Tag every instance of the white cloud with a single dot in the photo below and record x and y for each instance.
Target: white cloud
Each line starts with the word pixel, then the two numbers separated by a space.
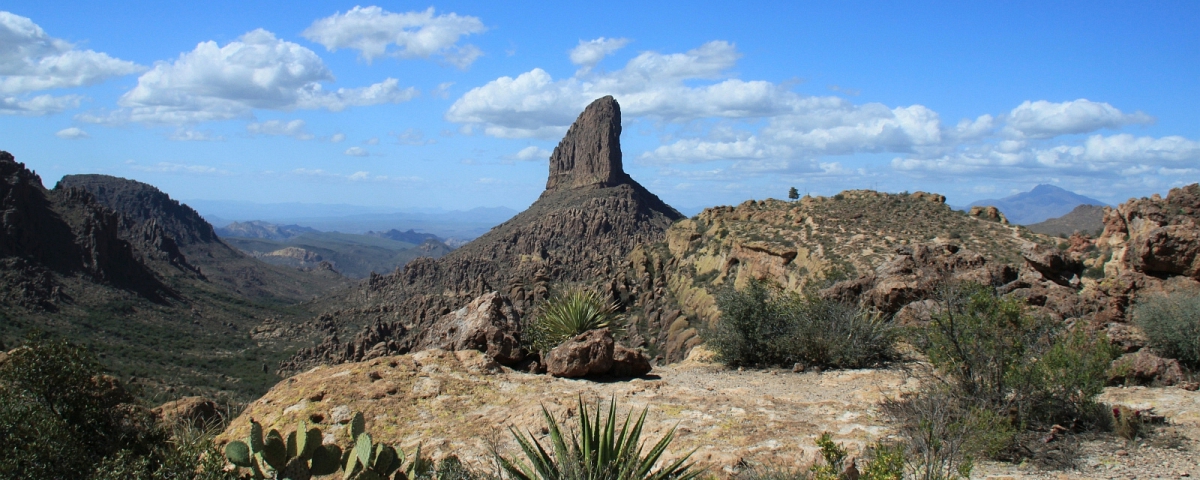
pixel 357 152
pixel 295 129
pixel 179 168
pixel 72 133
pixel 372 30
pixel 360 176
pixel 31 60
pixel 337 138
pixel 257 71
pixel 532 153
pixel 1042 119
pixel 650 85
pixel 413 137
pixel 190 135
pixel 589 52
pixel 39 105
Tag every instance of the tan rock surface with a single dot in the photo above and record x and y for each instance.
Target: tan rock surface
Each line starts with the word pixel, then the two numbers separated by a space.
pixel 455 402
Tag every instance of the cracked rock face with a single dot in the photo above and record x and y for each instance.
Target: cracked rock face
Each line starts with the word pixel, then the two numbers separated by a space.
pixel 590 154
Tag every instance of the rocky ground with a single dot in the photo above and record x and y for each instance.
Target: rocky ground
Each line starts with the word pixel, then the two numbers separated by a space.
pixel 463 403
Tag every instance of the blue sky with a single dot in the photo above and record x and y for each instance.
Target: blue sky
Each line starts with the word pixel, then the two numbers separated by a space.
pixel 456 104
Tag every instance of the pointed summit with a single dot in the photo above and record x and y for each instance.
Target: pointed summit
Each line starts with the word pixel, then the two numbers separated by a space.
pixel 590 154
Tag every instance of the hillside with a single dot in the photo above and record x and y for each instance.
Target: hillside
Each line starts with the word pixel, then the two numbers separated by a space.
pixel 591 216
pixel 142 280
pixel 1037 205
pixel 1087 219
pixel 352 255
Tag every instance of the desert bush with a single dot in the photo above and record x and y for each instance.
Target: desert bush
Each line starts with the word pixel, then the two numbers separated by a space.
pixel 882 461
pixel 62 418
pixel 1172 324
pixel 565 315
pixel 1002 359
pixel 759 327
pixel 596 450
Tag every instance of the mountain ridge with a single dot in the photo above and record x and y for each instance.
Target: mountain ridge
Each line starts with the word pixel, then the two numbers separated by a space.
pixel 1041 203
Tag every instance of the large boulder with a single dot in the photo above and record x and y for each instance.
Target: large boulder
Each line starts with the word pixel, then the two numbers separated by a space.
pixel 589 353
pixel 1169 250
pixel 1144 368
pixel 197 411
pixel 594 353
pixel 488 324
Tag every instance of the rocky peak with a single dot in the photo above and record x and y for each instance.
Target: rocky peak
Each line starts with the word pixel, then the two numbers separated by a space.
pixel 590 154
pixel 143 203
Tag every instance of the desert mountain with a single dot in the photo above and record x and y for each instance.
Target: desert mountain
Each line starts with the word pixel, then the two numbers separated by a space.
pixel 1041 203
pixel 582 229
pixel 353 255
pixel 159 226
pixel 141 279
pixel 261 229
pixel 1087 219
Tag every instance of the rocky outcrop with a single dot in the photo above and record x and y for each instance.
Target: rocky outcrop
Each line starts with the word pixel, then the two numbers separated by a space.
pixel 915 273
pixel 199 412
pixel 988 213
pixel 595 353
pixel 1145 368
pixel 67 232
pixel 590 154
pixel 488 324
pixel 581 230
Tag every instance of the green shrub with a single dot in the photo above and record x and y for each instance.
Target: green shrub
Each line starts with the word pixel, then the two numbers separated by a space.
pixel 760 328
pixel 596 451
pixel 568 314
pixel 1172 324
pixel 1004 360
pixel 883 462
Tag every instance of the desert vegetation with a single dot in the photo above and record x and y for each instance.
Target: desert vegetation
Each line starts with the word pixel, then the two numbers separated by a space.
pixel 567 314
pixel 761 326
pixel 1172 323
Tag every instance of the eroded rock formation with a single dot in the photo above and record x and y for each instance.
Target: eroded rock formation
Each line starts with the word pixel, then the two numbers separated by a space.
pixel 581 230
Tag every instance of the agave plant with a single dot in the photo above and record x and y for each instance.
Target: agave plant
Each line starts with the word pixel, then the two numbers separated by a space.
pixel 596 451
pixel 566 315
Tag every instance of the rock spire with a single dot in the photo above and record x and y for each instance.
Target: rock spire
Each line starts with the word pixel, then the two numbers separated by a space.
pixel 590 154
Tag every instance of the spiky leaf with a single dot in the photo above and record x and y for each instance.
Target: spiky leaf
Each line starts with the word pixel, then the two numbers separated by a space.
pixel 384 456
pixel 364 451
pixel 312 440
pixel 238 453
pixel 292 445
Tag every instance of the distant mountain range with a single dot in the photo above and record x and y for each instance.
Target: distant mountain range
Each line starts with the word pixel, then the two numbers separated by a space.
pixel 451 225
pixel 1087 219
pixel 1042 203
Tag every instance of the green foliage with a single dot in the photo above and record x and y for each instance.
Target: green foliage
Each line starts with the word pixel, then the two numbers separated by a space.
pixel 59 415
pixel 759 328
pixel 793 193
pixel 301 455
pixel 565 315
pixel 884 462
pixel 1002 359
pixel 189 453
pixel 1172 324
pixel 596 451
pixel 996 372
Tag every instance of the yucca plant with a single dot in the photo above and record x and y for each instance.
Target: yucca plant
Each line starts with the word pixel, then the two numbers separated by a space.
pixel 568 314
pixel 597 451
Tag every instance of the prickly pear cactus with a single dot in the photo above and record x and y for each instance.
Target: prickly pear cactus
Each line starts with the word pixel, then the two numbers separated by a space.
pixel 300 457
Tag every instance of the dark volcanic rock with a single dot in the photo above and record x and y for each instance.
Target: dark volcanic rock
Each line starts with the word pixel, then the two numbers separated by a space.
pixel 67 232
pixel 590 154
pixel 144 203
pixel 581 230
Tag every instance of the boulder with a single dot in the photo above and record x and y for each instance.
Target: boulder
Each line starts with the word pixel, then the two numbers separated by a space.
pixel 1169 250
pixel 629 362
pixel 488 324
pixel 1144 368
pixel 197 411
pixel 594 353
pixel 589 353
